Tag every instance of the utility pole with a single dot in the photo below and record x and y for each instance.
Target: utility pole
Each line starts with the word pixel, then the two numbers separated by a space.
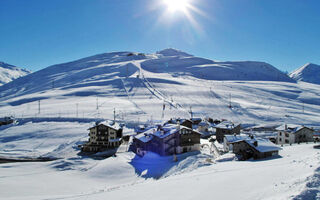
pixel 77 109
pixel 38 106
pixel 97 104
pixel 191 113
pixel 303 107
pixel 230 101
pixel 163 108
pixel 127 72
pixel 114 116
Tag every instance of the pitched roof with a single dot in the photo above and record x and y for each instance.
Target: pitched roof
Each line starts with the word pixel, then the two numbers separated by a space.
pixel 165 131
pixel 226 125
pixel 112 125
pixel 236 138
pixel 263 145
pixel 293 128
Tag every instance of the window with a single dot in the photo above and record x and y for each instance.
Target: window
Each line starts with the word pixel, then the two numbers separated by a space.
pixel 280 139
pixel 287 134
pixel 280 133
pixel 286 141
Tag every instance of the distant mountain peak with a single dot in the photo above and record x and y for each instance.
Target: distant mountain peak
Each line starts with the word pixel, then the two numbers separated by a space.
pixel 9 72
pixel 308 73
pixel 173 52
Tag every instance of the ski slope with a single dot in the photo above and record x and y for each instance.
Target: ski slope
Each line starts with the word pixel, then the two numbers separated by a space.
pixel 137 86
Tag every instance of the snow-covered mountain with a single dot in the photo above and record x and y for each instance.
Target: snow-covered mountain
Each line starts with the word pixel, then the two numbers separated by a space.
pixel 10 72
pixel 138 85
pixel 307 73
pixel 56 106
pixel 111 68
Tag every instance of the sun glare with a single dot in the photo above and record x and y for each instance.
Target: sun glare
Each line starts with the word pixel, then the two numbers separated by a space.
pixel 177 5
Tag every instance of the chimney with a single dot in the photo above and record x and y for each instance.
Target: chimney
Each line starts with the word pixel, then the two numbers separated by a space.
pixel 255 143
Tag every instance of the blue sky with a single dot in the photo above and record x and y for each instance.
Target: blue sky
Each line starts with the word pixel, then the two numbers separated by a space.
pixel 39 33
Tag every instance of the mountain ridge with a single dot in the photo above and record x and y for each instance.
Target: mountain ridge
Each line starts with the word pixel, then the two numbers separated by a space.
pixel 308 73
pixel 10 72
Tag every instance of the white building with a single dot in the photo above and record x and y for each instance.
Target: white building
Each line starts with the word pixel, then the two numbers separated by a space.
pixel 289 134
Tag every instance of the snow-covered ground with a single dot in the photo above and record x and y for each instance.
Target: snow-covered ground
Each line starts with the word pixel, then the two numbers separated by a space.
pixel 55 107
pixel 197 176
pixel 295 173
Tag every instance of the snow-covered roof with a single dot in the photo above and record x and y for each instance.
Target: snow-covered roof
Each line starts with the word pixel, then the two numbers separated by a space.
pixel 146 136
pixel 226 125
pixel 236 138
pixel 167 130
pixel 163 132
pixel 290 128
pixel 109 124
pixel 264 145
pixel 176 121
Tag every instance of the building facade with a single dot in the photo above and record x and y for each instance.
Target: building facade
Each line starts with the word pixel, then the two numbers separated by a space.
pixel 226 128
pixel 167 140
pixel 102 137
pixel 255 148
pixel 295 134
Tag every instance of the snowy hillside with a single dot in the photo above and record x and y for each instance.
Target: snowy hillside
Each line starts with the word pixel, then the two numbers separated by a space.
pixel 307 73
pixel 56 106
pixel 137 85
pixel 10 72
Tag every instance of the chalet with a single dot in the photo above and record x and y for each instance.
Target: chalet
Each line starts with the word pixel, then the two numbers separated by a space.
pixel 289 134
pixel 167 140
pixel 226 128
pixel 183 122
pixel 228 141
pixel 256 148
pixel 103 136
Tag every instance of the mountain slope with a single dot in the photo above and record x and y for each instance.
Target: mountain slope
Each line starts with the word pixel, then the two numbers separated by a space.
pixel 138 85
pixel 307 73
pixel 10 72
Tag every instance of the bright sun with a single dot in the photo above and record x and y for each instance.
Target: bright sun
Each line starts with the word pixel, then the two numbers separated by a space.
pixel 177 5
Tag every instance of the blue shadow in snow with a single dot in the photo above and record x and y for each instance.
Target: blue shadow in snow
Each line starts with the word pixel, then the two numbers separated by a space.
pixel 312 190
pixel 26 100
pixel 155 166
